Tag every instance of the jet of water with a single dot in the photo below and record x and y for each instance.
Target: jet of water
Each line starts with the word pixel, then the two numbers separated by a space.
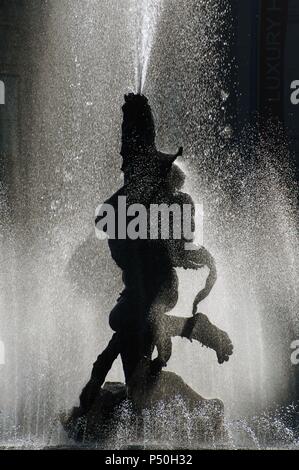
pixel 147 14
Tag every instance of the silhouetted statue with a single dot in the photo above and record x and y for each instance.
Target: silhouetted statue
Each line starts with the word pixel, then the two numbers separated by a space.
pixel 151 284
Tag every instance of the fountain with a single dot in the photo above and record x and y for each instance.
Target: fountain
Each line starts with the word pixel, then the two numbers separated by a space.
pixel 150 291
pixel 54 312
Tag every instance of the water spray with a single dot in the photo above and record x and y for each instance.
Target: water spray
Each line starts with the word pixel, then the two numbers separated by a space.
pixel 147 15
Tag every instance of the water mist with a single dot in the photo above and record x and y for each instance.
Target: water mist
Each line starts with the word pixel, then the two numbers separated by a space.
pixel 58 283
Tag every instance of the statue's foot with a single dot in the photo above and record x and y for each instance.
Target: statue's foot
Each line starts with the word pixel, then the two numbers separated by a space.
pixel 212 337
pixel 224 348
pixel 89 395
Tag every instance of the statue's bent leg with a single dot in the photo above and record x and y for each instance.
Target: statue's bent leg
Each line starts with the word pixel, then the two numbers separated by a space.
pixel 166 299
pixel 199 328
pixel 164 348
pixel 128 319
pixel 161 339
pixel 100 369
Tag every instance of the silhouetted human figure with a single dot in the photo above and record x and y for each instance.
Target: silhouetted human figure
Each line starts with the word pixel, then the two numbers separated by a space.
pixel 148 266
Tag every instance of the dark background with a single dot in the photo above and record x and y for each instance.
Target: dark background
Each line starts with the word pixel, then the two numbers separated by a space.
pixel 266 35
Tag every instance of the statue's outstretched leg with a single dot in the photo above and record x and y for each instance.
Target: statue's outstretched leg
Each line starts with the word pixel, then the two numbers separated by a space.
pixel 100 369
pixel 199 328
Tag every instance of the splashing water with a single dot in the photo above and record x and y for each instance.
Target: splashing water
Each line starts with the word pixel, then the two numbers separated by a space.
pixel 58 283
pixel 147 14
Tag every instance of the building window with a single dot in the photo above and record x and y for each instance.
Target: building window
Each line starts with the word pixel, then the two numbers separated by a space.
pixel 2 93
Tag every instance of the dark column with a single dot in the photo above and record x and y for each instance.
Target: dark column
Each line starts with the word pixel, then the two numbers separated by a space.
pixel 244 51
pixel 9 80
pixel 291 110
pixel 291 74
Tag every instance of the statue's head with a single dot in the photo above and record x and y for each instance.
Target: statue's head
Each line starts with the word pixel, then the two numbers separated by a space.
pixel 138 128
pixel 140 156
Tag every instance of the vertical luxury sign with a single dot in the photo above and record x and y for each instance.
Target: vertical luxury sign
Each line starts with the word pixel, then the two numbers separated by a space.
pixel 274 16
